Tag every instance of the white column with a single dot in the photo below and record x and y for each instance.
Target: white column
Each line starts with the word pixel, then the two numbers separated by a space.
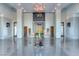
pixel 3 34
pixel 58 23
pixel 58 31
pixel 2 27
pixel 20 32
pixel 3 50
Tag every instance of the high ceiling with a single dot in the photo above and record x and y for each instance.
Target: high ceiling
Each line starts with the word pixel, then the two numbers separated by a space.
pixel 29 7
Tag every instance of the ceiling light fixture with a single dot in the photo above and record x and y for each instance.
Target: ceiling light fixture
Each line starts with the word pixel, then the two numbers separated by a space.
pixel 55 8
pixel 19 4
pixel 39 7
pixel 24 10
pixel 58 4
pixel 2 15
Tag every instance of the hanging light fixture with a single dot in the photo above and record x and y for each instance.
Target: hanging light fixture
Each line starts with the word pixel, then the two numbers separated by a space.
pixel 39 7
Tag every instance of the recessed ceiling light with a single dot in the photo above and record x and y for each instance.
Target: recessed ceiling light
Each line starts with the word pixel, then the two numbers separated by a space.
pixel 52 10
pixel 24 10
pixel 58 4
pixel 19 4
pixel 55 8
pixel 67 17
pixel 43 5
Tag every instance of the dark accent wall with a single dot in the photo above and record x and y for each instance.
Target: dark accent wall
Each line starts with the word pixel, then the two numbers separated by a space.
pixel 38 16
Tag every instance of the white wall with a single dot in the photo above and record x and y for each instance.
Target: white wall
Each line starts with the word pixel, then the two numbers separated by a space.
pixel 72 32
pixel 6 31
pixel 0 28
pixel 70 11
pixel 9 14
pixel 7 11
pixel 49 21
pixel 28 21
pixel 68 15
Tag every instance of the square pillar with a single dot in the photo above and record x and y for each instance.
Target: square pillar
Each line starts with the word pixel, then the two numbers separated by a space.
pixel 20 32
pixel 2 35
pixel 3 27
pixel 20 25
pixel 58 31
pixel 58 23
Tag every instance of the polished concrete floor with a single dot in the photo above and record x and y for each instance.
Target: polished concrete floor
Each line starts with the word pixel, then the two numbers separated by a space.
pixel 51 47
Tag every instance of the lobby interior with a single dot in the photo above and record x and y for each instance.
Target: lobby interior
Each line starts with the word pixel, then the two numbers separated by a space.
pixel 39 29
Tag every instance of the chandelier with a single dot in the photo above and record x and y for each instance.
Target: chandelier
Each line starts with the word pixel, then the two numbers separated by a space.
pixel 39 7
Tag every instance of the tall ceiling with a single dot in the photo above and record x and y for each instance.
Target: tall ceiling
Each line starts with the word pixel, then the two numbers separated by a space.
pixel 29 7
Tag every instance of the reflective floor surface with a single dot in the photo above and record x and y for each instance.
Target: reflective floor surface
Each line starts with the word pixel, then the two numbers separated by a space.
pixel 51 47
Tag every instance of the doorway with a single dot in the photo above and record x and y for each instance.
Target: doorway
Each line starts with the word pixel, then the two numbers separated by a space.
pixel 25 31
pixel 15 26
pixel 25 35
pixel 52 31
pixel 38 27
pixel 14 31
pixel 39 23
